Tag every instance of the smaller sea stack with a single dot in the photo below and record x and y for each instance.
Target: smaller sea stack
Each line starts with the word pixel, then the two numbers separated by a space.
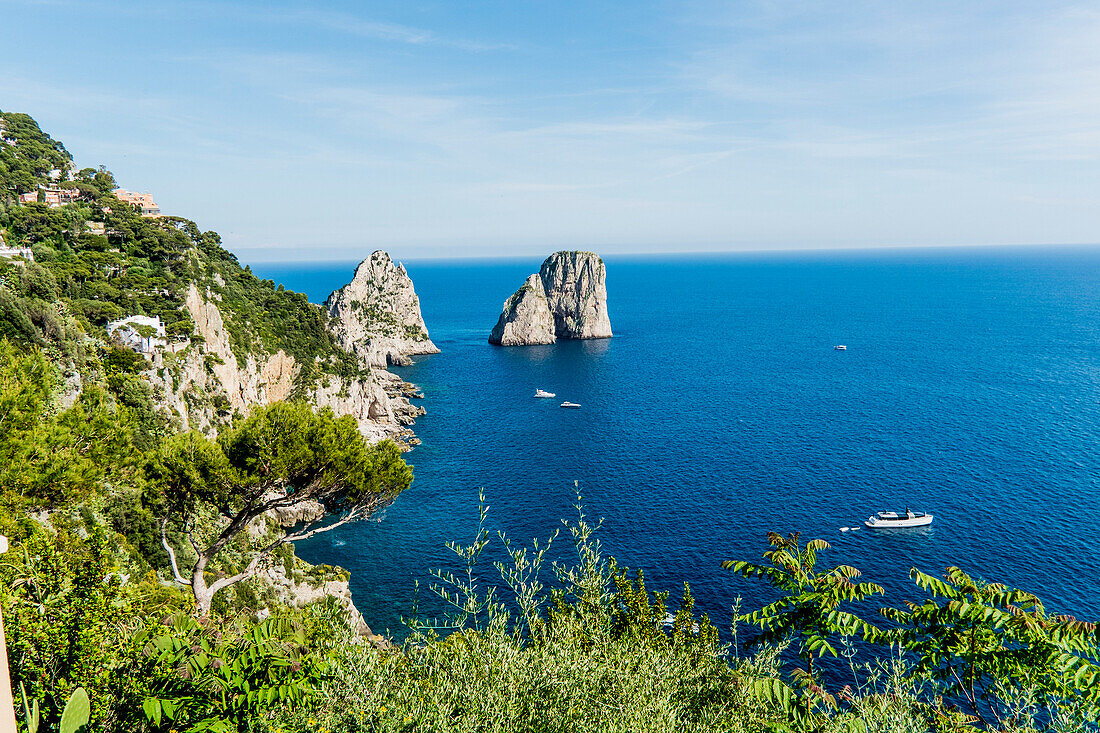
pixel 566 299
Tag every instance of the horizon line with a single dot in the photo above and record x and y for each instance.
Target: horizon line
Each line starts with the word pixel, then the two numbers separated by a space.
pixel 321 262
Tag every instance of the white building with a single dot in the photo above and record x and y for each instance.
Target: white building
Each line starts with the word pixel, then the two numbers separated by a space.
pixel 7 252
pixel 140 333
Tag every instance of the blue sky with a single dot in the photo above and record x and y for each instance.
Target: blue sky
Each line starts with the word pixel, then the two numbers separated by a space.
pixel 312 131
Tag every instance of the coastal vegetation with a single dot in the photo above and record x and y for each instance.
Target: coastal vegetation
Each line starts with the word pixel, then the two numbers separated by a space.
pixel 133 592
pixel 284 457
pixel 79 279
pixel 581 646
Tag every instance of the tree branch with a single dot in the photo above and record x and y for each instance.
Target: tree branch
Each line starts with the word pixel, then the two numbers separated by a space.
pixel 248 572
pixel 265 553
pixel 191 537
pixel 171 553
pixel 311 530
pixel 240 520
pixel 359 512
pixel 236 524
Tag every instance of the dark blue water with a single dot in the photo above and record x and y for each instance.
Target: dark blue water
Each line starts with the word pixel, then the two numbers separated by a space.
pixel 721 411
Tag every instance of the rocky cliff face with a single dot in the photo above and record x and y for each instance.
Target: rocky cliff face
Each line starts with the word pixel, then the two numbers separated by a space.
pixel 526 318
pixel 203 383
pixel 567 299
pixel 377 315
pixel 300 583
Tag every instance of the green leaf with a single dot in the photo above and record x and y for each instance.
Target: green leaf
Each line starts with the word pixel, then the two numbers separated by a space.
pixel 30 712
pixel 152 710
pixel 773 691
pixel 77 712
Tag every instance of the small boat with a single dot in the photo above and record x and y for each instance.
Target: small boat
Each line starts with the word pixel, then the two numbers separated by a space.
pixel 569 404
pixel 890 520
pixel 840 347
pixel 544 393
pixel 670 619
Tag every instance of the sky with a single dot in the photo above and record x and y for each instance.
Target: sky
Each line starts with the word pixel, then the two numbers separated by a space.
pixel 325 130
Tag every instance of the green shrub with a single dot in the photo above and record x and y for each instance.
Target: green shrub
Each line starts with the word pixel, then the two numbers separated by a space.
pixel 223 676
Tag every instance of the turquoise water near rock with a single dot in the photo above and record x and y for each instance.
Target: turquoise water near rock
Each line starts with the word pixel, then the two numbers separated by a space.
pixel 970 388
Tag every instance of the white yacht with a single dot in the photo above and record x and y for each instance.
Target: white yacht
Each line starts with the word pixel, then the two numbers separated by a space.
pixel 840 347
pixel 569 404
pixel 544 393
pixel 890 520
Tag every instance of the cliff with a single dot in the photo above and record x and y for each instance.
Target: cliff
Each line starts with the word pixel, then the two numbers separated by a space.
pixel 567 299
pixel 377 315
pixel 204 382
pixel 225 341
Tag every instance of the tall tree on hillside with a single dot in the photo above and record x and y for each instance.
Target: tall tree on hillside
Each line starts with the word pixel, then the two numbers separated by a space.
pixel 283 456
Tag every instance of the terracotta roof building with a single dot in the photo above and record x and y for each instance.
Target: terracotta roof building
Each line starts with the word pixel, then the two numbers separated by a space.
pixel 143 201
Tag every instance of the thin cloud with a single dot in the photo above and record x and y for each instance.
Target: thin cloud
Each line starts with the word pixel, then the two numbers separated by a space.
pixel 354 25
pixel 532 187
pixel 344 23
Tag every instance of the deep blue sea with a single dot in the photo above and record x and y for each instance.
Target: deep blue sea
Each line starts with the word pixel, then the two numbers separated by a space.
pixel 720 410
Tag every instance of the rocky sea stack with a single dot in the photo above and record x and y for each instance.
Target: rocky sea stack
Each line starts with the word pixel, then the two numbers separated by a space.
pixel 377 315
pixel 567 299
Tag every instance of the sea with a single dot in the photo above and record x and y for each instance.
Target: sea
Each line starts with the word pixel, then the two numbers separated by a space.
pixel 721 411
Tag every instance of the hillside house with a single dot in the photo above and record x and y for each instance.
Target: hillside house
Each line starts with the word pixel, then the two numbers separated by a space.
pixel 52 195
pixel 60 196
pixel 143 334
pixel 143 201
pixel 8 253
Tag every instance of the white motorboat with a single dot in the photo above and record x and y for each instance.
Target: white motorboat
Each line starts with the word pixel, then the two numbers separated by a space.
pixel 544 393
pixel 670 619
pixel 840 347
pixel 569 404
pixel 890 520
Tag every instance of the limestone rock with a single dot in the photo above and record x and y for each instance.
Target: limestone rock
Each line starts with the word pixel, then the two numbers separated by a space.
pixel 526 318
pixel 302 591
pixel 567 299
pixel 203 383
pixel 377 315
